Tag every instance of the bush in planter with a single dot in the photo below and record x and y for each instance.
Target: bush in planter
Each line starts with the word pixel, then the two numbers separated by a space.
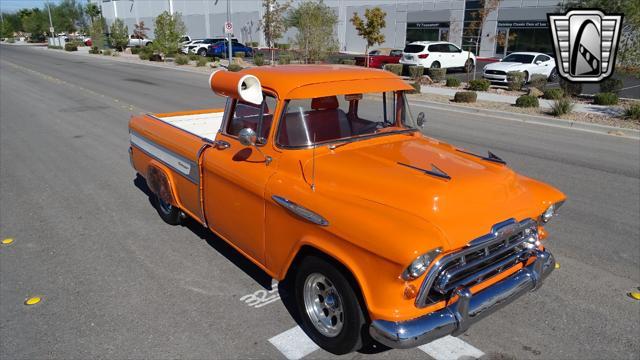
pixel 181 59
pixel 94 50
pixel 394 68
pixel 561 106
pixel 193 57
pixel 479 85
pixel 70 47
pixel 570 88
pixel 348 62
pixel 538 81
pixel 605 98
pixel 135 50
pixel 453 82
pixel 437 74
pixel 234 67
pixel 553 94
pixel 202 61
pixel 515 80
pixel 526 101
pixel 258 59
pixel 465 97
pixel 633 111
pixel 240 54
pixel 416 72
pixel 611 85
pixel 416 87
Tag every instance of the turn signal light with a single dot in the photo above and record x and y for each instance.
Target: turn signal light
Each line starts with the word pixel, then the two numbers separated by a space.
pixel 542 233
pixel 410 292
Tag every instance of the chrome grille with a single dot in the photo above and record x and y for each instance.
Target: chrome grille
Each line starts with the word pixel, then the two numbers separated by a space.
pixel 509 243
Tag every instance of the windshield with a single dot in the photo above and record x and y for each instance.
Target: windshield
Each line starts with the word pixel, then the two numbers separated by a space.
pixel 519 58
pixel 306 122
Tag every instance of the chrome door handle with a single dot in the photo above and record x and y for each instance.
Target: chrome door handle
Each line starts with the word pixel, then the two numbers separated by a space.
pixel 221 144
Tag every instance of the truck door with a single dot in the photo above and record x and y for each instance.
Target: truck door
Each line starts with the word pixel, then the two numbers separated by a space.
pixel 235 177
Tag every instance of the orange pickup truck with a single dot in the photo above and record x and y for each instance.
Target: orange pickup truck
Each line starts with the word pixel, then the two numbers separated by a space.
pixel 322 175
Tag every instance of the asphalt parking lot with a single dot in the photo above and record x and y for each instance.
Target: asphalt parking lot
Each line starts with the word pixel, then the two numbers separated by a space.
pixel 117 282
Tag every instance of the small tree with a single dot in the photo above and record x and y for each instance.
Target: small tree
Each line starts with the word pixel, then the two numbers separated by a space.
pixel 474 30
pixel 140 31
pixel 119 35
pixel 273 23
pixel 168 31
pixel 370 31
pixel 315 22
pixel 97 32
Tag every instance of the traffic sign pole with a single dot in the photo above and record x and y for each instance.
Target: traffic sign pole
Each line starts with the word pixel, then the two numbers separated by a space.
pixel 229 29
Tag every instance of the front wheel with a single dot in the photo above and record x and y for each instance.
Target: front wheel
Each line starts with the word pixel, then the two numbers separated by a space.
pixel 468 66
pixel 526 77
pixel 202 52
pixel 328 306
pixel 553 76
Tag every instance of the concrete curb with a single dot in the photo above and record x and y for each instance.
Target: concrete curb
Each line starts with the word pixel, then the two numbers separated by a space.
pixel 534 119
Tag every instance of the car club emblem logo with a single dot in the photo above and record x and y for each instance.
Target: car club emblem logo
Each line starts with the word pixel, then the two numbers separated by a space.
pixel 585 43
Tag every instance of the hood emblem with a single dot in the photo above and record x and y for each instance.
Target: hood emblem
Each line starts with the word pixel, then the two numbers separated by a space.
pixel 435 171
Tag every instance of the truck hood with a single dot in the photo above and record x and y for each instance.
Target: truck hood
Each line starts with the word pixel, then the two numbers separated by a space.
pixel 479 194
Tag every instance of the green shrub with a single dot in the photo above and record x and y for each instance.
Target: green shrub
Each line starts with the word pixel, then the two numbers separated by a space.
pixel 202 61
pixel 605 98
pixel 234 67
pixel 416 72
pixel 611 85
pixel 348 62
pixel 94 50
pixel 561 106
pixel 135 50
pixel 633 111
pixel 240 54
pixel 258 59
pixel 538 81
pixel 437 74
pixel 553 94
pixel 479 85
pixel 515 80
pixel 570 88
pixel 181 59
pixel 106 52
pixel 11 40
pixel 465 97
pixel 453 82
pixel 526 101
pixel 193 57
pixel 416 87
pixel 284 58
pixel 394 68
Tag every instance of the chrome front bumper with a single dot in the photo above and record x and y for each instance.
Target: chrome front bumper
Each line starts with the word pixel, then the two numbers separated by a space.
pixel 456 318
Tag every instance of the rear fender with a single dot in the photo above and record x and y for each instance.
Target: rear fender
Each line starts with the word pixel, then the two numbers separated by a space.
pixel 160 183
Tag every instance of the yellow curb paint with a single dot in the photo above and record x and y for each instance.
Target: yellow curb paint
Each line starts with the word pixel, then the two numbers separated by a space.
pixel 557 265
pixel 7 241
pixel 32 300
pixel 634 295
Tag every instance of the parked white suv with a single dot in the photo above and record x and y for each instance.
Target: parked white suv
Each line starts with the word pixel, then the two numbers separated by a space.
pixel 135 42
pixel 528 63
pixel 437 54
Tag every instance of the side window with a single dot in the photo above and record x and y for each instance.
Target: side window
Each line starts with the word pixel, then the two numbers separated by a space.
pixel 395 53
pixel 257 117
pixel 434 48
pixel 541 58
pixel 453 48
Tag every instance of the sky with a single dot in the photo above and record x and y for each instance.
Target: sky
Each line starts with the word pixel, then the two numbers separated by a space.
pixel 14 5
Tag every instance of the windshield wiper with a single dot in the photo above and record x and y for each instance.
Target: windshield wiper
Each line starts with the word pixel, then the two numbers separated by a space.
pixel 490 157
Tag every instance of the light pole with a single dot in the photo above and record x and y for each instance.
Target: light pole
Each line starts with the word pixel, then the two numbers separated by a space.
pixel 229 34
pixel 50 22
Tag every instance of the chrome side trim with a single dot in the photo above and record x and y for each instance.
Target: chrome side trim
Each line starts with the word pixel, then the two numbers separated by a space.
pixel 300 211
pixel 457 317
pixel 178 163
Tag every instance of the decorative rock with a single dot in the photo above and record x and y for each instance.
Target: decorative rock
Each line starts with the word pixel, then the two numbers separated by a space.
pixel 535 92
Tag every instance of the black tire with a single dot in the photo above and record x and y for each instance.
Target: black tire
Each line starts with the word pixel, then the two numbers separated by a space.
pixel 349 337
pixel 469 66
pixel 170 214
pixel 149 43
pixel 202 52
pixel 435 65
pixel 526 77
pixel 553 76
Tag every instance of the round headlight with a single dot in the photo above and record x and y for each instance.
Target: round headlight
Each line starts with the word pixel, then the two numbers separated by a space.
pixel 420 265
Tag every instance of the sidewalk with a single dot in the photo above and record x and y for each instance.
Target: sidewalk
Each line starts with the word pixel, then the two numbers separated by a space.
pixel 509 99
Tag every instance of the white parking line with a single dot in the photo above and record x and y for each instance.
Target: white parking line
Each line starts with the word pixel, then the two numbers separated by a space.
pixel 294 343
pixel 450 348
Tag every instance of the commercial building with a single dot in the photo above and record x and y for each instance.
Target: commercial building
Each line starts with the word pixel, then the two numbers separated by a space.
pixel 517 25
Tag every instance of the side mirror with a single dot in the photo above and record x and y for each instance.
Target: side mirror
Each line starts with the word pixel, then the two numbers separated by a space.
pixel 248 137
pixel 538 62
pixel 420 121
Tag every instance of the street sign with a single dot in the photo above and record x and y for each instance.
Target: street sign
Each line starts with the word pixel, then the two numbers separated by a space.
pixel 51 30
pixel 228 27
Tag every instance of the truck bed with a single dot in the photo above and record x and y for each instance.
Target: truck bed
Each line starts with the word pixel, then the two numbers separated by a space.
pixel 203 125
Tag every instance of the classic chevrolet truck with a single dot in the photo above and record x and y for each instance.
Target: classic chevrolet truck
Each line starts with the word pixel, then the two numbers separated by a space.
pixel 322 175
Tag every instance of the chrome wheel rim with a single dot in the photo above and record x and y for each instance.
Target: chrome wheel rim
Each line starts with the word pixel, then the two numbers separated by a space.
pixel 323 304
pixel 165 207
